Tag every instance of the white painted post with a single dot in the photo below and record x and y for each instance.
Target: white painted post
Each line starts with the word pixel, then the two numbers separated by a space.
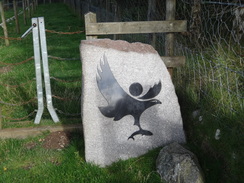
pixel 39 39
pixel 46 69
pixel 37 57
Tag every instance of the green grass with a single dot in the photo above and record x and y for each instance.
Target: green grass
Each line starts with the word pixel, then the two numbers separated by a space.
pixel 206 85
pixel 221 160
pixel 58 45
pixel 22 165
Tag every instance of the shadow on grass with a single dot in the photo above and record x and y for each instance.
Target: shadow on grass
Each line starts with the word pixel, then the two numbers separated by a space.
pixel 219 159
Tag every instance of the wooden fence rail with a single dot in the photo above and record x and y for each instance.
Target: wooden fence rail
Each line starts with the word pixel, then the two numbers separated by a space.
pixel 93 29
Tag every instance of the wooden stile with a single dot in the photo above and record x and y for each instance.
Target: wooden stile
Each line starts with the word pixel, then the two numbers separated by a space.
pixel 170 26
pixel 135 27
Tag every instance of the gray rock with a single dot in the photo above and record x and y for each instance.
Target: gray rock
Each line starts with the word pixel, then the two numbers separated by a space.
pixel 175 164
pixel 106 137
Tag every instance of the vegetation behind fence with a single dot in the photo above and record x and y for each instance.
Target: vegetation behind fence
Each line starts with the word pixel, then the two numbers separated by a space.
pixel 213 44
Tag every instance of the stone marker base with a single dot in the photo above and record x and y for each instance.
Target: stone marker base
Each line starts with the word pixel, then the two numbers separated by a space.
pixel 129 105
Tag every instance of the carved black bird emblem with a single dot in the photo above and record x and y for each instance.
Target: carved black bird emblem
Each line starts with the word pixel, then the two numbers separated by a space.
pixel 120 103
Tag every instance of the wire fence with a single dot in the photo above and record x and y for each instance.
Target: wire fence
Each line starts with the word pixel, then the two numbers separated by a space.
pixel 31 115
pixel 7 66
pixel 215 54
pixel 213 44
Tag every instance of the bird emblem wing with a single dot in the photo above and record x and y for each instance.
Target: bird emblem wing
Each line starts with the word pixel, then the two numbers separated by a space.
pixel 153 91
pixel 110 89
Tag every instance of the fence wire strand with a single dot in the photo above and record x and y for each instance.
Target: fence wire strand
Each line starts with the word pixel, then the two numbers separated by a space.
pixel 16 86
pixel 22 118
pixel 18 104
pixel 66 33
pixel 64 81
pixel 19 63
pixel 213 44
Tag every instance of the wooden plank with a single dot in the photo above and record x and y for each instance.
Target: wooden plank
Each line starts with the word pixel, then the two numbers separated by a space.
pixel 169 37
pixel 172 62
pixel 135 27
pixel 16 16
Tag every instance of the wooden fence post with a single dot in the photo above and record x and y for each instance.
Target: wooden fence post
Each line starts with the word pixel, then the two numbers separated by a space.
pixel 4 24
pixel 24 11
pixel 16 16
pixel 107 9
pixel 28 8
pixel 169 37
pixel 1 124
pixel 151 15
pixel 7 4
pixel 78 10
pixel 90 18
pixel 32 7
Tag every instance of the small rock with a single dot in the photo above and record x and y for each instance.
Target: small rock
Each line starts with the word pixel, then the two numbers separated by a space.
pixel 176 164
pixel 217 134
pixel 196 113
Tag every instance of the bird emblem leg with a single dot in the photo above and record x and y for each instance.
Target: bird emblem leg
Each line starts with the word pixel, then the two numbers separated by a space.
pixel 140 131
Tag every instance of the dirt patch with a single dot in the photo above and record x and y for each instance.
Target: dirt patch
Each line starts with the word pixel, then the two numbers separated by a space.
pixel 5 69
pixel 56 140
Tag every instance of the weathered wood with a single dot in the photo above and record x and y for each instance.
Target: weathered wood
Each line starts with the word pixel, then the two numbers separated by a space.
pixel 4 24
pixel 174 61
pixel 78 8
pixel 151 16
pixel 93 29
pixel 24 11
pixel 32 8
pixel 90 18
pixel 169 38
pixel 116 19
pixel 1 125
pixel 28 8
pixel 196 22
pixel 34 5
pixel 16 17
pixel 107 9
pixel 135 27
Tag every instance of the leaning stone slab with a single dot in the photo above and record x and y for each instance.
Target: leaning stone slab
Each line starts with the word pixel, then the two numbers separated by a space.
pixel 129 105
pixel 175 164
